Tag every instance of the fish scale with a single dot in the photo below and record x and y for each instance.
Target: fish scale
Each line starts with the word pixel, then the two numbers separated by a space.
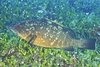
pixel 49 33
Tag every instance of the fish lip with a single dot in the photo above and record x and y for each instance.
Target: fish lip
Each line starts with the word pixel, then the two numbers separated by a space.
pixel 11 27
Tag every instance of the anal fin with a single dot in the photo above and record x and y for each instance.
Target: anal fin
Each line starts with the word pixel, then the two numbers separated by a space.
pixel 70 48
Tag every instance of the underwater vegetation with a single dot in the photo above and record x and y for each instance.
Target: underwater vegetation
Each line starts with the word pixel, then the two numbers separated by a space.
pixel 79 15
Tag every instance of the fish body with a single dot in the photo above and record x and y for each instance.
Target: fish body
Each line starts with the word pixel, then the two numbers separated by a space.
pixel 46 33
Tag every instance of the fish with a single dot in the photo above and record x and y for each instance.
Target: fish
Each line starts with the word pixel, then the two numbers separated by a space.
pixel 50 34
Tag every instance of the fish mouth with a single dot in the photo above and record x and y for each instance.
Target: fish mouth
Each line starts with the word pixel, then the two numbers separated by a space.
pixel 17 30
pixel 12 28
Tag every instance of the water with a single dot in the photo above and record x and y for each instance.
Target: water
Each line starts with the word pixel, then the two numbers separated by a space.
pixel 79 15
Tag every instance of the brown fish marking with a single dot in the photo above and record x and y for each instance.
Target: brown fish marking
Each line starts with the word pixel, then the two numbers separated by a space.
pixel 50 34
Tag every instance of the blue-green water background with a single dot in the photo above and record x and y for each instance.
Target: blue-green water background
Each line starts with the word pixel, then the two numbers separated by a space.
pixel 79 15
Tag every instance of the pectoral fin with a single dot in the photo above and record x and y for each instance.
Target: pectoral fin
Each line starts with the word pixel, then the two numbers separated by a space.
pixel 31 38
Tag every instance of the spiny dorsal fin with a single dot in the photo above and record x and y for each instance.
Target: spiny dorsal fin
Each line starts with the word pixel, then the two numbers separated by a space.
pixel 55 22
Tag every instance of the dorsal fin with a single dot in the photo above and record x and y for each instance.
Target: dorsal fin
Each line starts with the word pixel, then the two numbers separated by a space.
pixel 55 22
pixel 71 32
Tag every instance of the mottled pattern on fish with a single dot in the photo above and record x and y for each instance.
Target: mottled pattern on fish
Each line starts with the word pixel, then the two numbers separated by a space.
pixel 47 33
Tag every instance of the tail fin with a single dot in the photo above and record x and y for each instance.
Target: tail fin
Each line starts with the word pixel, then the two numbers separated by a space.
pixel 89 44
